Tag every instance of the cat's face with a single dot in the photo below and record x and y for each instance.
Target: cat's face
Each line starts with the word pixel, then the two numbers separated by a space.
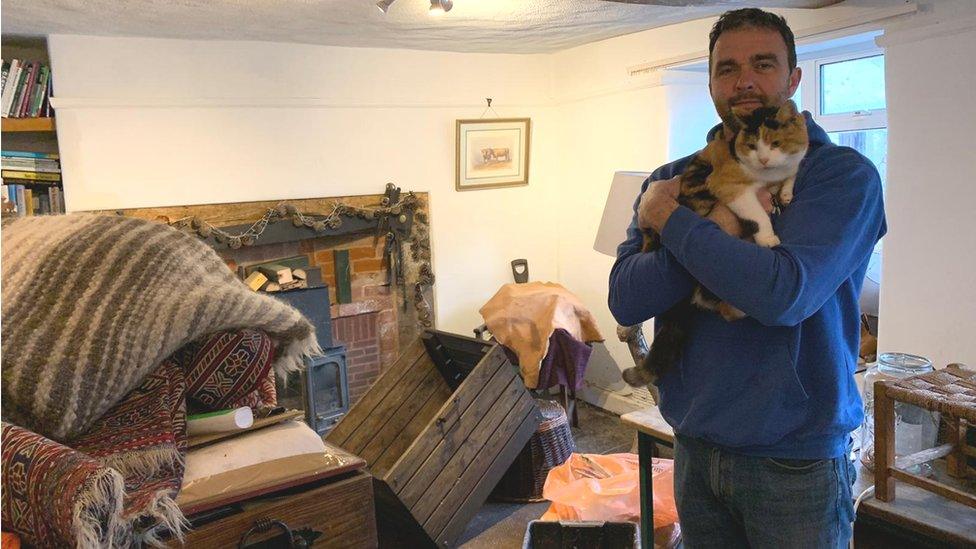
pixel 772 140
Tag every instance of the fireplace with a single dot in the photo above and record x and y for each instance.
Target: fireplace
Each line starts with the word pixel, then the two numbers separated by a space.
pixel 347 242
pixel 368 326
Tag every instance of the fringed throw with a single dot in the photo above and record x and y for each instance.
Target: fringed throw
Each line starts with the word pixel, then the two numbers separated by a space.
pixel 94 415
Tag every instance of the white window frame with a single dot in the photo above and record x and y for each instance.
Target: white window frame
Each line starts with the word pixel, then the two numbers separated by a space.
pixel 845 122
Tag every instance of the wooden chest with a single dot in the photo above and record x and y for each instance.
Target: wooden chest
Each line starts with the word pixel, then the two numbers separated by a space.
pixel 340 509
pixel 438 430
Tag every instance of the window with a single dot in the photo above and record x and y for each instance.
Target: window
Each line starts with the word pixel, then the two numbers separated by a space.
pixel 852 85
pixel 846 96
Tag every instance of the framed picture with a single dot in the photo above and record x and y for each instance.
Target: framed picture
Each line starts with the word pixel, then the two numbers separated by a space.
pixel 492 152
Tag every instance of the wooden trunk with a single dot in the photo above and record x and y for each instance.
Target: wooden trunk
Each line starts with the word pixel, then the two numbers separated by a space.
pixel 340 509
pixel 438 430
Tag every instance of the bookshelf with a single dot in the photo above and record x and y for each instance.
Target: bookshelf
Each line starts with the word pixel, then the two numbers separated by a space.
pixel 30 135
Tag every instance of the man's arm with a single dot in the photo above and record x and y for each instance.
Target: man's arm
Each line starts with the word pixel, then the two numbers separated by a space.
pixel 826 233
pixel 644 285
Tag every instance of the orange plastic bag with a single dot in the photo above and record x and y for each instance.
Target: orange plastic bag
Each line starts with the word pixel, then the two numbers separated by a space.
pixel 607 488
pixel 9 540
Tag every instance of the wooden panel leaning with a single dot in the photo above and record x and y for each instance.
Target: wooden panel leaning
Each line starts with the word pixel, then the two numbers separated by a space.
pixel 951 392
pixel 438 430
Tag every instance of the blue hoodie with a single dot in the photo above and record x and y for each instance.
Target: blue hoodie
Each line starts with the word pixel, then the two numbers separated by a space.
pixel 779 383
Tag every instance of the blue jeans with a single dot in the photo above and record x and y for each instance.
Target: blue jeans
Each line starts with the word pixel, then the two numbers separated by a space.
pixel 731 500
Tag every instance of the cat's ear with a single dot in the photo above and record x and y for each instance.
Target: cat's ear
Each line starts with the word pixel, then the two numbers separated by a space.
pixel 787 110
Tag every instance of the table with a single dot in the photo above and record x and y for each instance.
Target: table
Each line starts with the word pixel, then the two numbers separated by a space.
pixel 651 429
pixel 916 515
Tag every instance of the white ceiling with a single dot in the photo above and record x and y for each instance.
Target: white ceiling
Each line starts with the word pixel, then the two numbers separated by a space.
pixel 502 26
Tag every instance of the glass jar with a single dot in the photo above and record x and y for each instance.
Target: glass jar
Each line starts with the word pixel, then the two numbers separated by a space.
pixel 916 429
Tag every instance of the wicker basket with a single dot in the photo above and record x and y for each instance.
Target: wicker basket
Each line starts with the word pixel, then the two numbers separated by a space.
pixel 551 445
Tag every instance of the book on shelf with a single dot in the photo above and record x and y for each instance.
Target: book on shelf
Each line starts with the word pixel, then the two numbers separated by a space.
pixel 26 89
pixel 26 201
pixel 43 84
pixel 3 74
pixel 9 86
pixel 29 154
pixel 30 176
pixel 21 194
pixel 7 204
pixel 19 90
pixel 29 165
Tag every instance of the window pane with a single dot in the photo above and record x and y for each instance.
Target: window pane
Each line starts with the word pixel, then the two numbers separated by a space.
pixel 872 144
pixel 854 85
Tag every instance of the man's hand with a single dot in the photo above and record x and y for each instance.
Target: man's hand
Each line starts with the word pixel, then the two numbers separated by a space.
pixel 660 200
pixel 729 222
pixel 657 204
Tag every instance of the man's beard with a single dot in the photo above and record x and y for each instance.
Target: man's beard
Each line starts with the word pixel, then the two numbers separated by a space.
pixel 731 115
pixel 763 99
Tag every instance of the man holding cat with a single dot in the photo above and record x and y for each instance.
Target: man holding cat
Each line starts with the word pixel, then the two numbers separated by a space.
pixel 762 407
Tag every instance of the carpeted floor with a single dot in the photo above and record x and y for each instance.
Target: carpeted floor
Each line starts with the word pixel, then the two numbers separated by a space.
pixel 501 525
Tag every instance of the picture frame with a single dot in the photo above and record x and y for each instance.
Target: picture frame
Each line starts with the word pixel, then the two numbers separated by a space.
pixel 492 153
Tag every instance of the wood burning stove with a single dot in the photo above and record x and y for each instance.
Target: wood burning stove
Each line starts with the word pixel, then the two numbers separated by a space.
pixel 322 388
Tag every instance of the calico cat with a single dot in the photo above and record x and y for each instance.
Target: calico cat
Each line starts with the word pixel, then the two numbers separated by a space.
pixel 763 149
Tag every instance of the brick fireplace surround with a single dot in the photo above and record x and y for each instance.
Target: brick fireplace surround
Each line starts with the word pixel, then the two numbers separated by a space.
pixel 368 326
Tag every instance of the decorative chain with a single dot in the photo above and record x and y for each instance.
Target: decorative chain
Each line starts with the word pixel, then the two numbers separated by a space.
pixel 283 211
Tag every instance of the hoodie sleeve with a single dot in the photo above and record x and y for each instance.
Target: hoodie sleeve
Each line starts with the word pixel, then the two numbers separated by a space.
pixel 644 285
pixel 828 231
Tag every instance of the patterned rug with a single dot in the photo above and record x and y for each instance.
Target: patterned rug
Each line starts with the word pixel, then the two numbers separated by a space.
pixel 94 310
pixel 116 484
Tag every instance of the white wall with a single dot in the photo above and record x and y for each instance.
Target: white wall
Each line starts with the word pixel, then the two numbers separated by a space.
pixel 145 122
pixel 928 298
pixel 149 122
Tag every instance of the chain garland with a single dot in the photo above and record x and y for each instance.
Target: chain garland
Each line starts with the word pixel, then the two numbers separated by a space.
pixel 285 211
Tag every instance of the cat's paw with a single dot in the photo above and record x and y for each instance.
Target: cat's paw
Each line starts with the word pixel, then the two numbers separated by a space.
pixel 729 312
pixel 785 197
pixel 767 240
pixel 637 377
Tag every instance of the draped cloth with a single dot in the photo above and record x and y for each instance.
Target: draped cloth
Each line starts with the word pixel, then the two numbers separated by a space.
pixel 94 408
pixel 523 318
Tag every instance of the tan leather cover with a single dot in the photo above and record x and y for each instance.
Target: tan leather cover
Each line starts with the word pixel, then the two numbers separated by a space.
pixel 523 316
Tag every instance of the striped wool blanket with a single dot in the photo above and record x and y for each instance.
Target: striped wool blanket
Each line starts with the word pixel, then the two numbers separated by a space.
pixel 92 307
pixel 92 304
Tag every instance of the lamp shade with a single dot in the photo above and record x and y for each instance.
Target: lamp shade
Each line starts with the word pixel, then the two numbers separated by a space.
pixel 619 211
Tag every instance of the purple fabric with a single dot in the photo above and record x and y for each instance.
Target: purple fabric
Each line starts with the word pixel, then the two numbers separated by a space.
pixel 564 364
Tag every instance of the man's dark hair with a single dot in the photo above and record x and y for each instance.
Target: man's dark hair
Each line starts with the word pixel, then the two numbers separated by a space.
pixel 757 19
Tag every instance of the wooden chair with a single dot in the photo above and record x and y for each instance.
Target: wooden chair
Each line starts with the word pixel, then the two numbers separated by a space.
pixel 951 392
